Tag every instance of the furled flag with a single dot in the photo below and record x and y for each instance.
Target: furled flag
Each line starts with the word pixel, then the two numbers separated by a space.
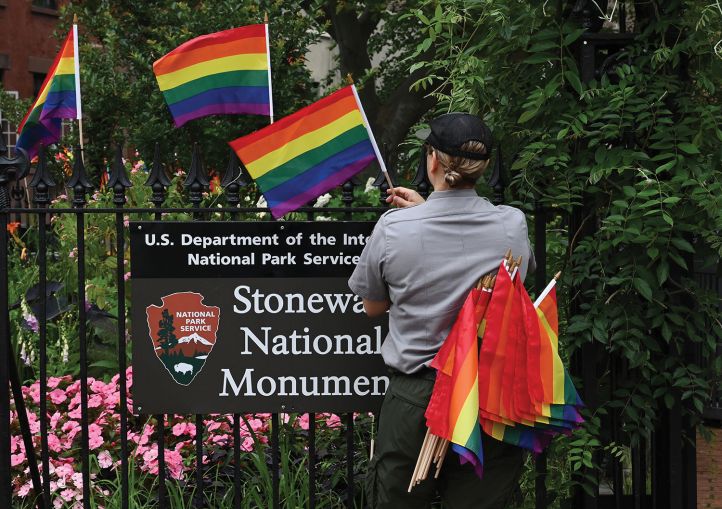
pixel 59 98
pixel 223 73
pixel 453 410
pixel 305 154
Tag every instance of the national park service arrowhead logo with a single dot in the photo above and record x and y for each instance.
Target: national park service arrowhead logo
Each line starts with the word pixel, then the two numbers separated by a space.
pixel 183 331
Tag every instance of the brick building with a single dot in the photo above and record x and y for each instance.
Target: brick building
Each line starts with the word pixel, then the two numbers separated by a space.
pixel 27 48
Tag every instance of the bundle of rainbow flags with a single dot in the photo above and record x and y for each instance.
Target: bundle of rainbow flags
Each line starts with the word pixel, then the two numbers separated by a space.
pixel 499 372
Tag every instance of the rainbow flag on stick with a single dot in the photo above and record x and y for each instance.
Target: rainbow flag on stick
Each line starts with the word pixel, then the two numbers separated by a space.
pixel 305 154
pixel 224 73
pixel 59 98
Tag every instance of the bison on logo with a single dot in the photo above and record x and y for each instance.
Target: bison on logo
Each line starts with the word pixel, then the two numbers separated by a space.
pixel 183 331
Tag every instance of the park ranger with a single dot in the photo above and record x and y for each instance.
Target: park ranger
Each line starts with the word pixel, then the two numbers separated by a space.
pixel 420 263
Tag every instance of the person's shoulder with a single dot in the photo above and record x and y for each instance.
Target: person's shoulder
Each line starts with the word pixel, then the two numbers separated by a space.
pixel 512 214
pixel 401 214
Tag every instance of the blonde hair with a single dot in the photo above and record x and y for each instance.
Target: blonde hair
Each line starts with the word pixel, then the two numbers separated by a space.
pixel 459 170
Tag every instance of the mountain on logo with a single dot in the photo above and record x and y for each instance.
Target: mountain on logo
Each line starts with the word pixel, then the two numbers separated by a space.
pixel 195 338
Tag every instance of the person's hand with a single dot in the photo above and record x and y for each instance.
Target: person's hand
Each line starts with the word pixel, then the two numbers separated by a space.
pixel 403 197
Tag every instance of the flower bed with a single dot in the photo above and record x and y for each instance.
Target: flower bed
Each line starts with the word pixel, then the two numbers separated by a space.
pixel 64 442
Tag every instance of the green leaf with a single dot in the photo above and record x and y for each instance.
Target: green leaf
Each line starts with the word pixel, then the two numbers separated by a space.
pixel 570 38
pixel 573 79
pixel 682 245
pixel 688 148
pixel 669 400
pixel 662 271
pixel 527 115
pixel 643 288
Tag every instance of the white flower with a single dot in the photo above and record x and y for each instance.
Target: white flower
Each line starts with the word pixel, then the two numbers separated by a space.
pixel 369 185
pixel 322 200
pixel 322 218
pixel 104 459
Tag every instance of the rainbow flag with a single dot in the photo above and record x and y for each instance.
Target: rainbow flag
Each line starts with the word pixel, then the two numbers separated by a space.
pixel 309 152
pixel 225 73
pixel 59 98
pixel 453 410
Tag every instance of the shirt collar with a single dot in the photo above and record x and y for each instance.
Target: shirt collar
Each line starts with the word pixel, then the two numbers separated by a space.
pixel 453 193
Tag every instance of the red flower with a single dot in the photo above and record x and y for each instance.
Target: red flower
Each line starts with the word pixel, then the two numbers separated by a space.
pixel 13 227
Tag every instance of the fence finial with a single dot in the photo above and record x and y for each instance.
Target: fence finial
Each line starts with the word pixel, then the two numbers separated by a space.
pixel 197 180
pixel 157 180
pixel 119 180
pixel 79 179
pixel 42 181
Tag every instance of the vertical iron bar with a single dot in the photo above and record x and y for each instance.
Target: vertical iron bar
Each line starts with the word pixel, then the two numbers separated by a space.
pixel 637 477
pixel 6 488
pixel 24 425
pixel 199 502
pixel 43 331
pixel 311 461
pixel 349 461
pixel 540 282
pixel 160 431
pixel 237 461
pixel 275 453
pixel 82 334
pixel 158 181
pixel 122 363
pixel 644 447
pixel 617 485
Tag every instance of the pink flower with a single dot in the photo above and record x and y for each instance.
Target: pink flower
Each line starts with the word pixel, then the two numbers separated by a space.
pixel 95 401
pixel 25 489
pixel 247 444
pixel 333 421
pixel 303 421
pixel 174 462
pixel 17 459
pixel 126 276
pixel 95 441
pixel 57 396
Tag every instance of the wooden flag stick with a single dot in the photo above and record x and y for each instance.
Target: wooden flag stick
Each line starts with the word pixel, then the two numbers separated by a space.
pixel 548 289
pixel 78 104
pixel 418 461
pixel 268 63
pixel 442 455
pixel 371 137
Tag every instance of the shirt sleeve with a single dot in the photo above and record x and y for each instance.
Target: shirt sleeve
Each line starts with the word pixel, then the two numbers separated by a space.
pixel 367 280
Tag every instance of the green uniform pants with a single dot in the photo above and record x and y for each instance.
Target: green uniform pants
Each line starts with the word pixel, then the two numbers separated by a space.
pixel 402 427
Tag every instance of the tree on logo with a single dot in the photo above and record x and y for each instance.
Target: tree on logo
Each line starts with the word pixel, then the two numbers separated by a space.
pixel 166 337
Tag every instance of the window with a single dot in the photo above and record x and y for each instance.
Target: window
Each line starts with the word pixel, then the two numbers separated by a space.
pixel 7 131
pixel 46 4
pixel 38 79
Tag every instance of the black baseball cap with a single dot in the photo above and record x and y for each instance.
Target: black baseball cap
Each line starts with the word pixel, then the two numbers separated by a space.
pixel 449 132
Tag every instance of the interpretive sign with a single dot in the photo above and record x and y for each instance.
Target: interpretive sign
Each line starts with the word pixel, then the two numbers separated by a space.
pixel 232 317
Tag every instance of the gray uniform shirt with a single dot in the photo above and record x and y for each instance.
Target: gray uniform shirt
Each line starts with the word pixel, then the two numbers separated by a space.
pixel 425 259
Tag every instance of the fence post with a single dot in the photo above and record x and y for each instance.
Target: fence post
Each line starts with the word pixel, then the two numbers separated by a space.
pixel 10 168
pixel 41 184
pixel 119 182
pixel 6 489
pixel 80 185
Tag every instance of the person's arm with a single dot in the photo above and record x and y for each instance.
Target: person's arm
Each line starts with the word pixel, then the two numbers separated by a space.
pixel 367 280
pixel 375 308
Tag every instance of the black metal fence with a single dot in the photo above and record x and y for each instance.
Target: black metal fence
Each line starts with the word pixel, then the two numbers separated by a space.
pixel 662 471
